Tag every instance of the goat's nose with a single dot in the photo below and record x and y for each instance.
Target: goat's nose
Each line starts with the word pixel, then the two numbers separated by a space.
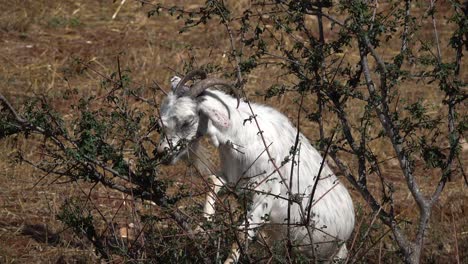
pixel 161 148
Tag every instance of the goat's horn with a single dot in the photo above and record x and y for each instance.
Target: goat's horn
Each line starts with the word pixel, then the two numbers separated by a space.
pixel 188 77
pixel 202 85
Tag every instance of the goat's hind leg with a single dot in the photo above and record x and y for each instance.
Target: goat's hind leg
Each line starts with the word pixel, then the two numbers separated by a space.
pixel 341 255
pixel 215 183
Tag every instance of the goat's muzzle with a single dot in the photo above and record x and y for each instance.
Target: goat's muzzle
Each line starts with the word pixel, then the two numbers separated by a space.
pixel 169 153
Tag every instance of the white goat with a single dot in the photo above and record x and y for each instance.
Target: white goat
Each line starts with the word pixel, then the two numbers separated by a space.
pixel 187 114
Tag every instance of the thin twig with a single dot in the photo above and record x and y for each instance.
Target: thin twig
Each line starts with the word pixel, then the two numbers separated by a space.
pixel 436 33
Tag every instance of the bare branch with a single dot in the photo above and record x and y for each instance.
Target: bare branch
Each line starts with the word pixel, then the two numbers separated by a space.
pixel 406 27
pixel 10 108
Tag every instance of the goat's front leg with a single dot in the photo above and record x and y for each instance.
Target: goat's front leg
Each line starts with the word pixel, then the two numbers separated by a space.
pixel 256 217
pixel 215 186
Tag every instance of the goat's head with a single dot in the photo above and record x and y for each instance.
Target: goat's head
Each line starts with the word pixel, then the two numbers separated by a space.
pixel 183 120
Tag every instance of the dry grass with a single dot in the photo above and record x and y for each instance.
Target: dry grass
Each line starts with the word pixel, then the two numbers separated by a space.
pixel 39 41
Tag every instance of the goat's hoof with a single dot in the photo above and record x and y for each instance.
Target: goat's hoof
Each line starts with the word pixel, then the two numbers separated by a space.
pixel 199 230
pixel 229 261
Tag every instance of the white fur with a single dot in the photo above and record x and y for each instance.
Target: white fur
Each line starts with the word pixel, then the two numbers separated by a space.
pixel 243 164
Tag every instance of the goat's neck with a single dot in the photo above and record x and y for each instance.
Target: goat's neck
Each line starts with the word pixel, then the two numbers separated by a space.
pixel 224 105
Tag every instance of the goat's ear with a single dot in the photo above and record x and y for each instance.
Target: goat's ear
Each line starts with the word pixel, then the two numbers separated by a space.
pixel 175 81
pixel 220 118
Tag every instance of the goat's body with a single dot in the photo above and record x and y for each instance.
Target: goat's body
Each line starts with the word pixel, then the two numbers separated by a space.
pixel 245 163
pixel 279 200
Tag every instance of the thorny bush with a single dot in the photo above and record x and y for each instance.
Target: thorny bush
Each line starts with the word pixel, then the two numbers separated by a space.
pixel 333 52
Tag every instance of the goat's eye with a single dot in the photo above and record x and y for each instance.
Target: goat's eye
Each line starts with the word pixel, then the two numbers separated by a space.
pixel 188 122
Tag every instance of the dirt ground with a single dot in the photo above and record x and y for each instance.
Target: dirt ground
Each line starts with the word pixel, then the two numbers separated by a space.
pixel 40 42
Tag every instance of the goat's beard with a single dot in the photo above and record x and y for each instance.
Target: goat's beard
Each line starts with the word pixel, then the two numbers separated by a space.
pixel 174 157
